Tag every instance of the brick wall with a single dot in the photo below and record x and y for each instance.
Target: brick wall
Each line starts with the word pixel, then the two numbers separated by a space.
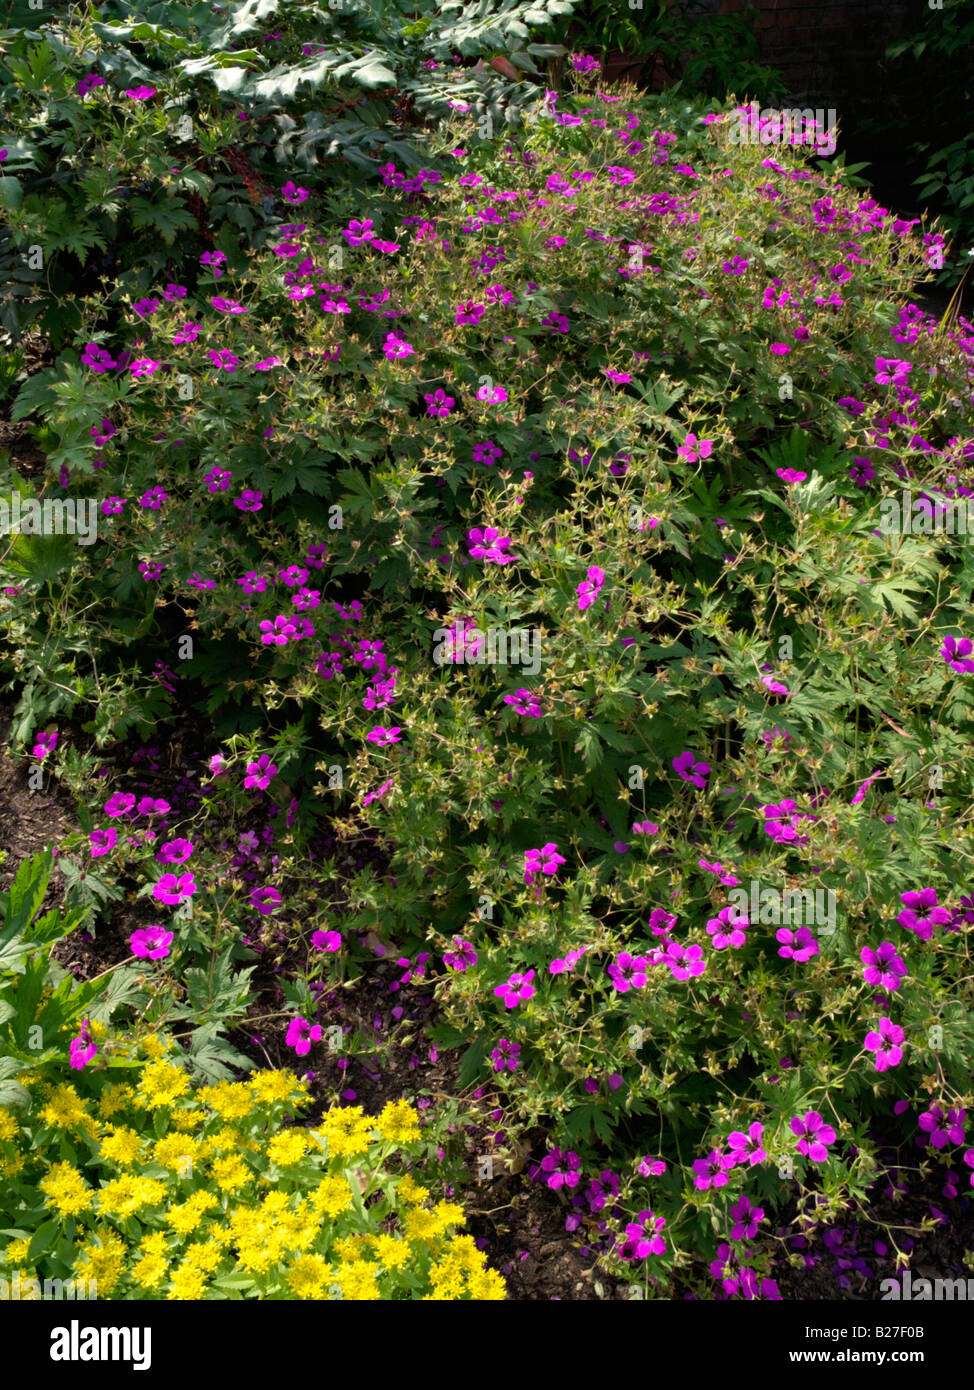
pixel 831 52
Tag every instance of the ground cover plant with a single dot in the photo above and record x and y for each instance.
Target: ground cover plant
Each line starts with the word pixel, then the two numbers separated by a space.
pixel 575 517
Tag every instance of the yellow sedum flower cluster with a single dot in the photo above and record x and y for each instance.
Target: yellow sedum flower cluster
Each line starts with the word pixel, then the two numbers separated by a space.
pixel 164 1190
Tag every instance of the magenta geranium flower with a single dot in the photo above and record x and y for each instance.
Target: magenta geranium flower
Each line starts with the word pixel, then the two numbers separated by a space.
pixel 628 972
pixel 781 821
pixel 524 703
pixel 102 841
pixel 301 1034
pixel 395 348
pixel 941 1128
pixel 505 1055
pixel 44 743
pixel 691 771
pixel 885 1044
pixel 799 945
pixel 560 965
pixel 175 852
pixel 249 501
pixel 723 875
pixel 259 774
pixel 120 804
pixel 172 890
pixel 693 449
pixel 883 966
pixel 326 940
pixel 469 312
pixel 661 922
pixel 921 913
pixel 728 928
pixel 492 395
pixel 684 962
pixel 590 588
pixel 643 1237
pixel 649 1167
pixel 489 545
pixel 292 194
pixel 462 955
pixel 890 371
pixel 151 943
pixel 383 737
pixel 265 900
pixel 82 1048
pixel 620 378
pixel 561 1169
pixel 97 358
pixel 517 989
pixel 712 1170
pixel 746 1219
pixel 439 404
pixel 747 1148
pixel 956 652
pixel 152 806
pixel 814 1136
pixel 357 232
pixel 224 358
pixel 544 860
pixel 227 306
pixel 140 93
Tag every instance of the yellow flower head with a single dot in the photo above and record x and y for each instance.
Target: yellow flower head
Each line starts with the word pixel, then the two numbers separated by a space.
pixel 102 1259
pixel 125 1196
pixel 358 1281
pixel 177 1152
pixel 149 1271
pixel 448 1214
pixel 230 1173
pixel 230 1099
pixel 288 1147
pixel 348 1131
pixel 269 1087
pixel 11 1165
pixel 113 1098
pixel 155 1047
pixel 352 1247
pixel 162 1084
pixel 8 1125
pixel 331 1197
pixel 66 1190
pixel 421 1224
pixel 204 1254
pixel 391 1252
pixel 188 1119
pixel 187 1282
pixel 411 1191
pixel 487 1285
pixel 65 1109
pixel 398 1122
pixel 121 1144
pixel 309 1277
pixel 186 1216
